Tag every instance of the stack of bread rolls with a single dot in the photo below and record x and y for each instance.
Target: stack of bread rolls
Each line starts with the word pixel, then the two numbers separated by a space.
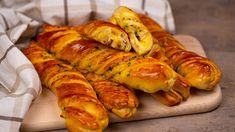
pixel 98 66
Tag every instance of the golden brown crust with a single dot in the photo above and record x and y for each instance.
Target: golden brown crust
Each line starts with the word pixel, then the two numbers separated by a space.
pixel 157 52
pixel 169 98
pixel 80 107
pixel 199 71
pixel 179 92
pixel 107 34
pixel 48 27
pixel 181 86
pixel 147 74
pixel 140 38
pixel 116 98
pixel 79 117
pixel 86 47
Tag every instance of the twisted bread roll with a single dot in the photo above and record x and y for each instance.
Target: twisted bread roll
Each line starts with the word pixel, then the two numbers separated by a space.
pixel 179 92
pixel 146 74
pixel 76 98
pixel 182 86
pixel 199 71
pixel 140 38
pixel 115 97
pixel 107 34
pixel 169 98
pixel 142 42
pixel 97 30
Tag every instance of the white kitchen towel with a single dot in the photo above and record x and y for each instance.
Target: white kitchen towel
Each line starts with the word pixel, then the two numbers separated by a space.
pixel 74 12
pixel 19 82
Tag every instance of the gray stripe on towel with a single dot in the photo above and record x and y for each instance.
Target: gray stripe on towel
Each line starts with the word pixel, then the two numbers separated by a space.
pixel 5 54
pixel 15 86
pixel 8 118
pixel 66 15
pixel 93 9
pixel 18 70
pixel 5 21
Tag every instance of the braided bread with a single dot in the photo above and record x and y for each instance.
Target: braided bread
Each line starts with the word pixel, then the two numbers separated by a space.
pixel 96 30
pixel 114 96
pixel 181 88
pixel 179 92
pixel 144 73
pixel 76 98
pixel 173 97
pixel 201 72
pixel 181 85
pixel 107 34
pixel 140 37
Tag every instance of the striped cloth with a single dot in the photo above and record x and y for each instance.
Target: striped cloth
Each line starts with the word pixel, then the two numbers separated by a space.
pixel 73 12
pixel 19 82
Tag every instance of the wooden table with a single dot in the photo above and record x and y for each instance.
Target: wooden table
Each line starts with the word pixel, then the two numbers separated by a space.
pixel 213 23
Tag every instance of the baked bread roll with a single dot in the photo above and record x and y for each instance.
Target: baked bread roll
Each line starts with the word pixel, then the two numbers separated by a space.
pixel 182 86
pixel 144 73
pixel 107 34
pixel 172 98
pixel 96 30
pixel 140 38
pixel 115 97
pixel 179 92
pixel 76 98
pixel 199 71
pixel 169 98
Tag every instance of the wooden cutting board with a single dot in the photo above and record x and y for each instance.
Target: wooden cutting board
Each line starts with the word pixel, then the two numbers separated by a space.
pixel 44 112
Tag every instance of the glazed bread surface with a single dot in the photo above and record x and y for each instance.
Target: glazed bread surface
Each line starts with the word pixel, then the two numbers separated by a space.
pixel 138 72
pixel 116 98
pixel 108 34
pixel 140 38
pixel 77 100
pixel 199 71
